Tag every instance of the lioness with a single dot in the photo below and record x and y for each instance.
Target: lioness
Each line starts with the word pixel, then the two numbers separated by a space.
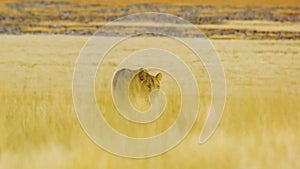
pixel 140 84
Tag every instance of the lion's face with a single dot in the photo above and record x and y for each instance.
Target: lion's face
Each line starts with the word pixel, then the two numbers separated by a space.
pixel 148 82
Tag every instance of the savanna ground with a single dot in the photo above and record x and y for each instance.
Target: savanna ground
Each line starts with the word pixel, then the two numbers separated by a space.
pixel 259 129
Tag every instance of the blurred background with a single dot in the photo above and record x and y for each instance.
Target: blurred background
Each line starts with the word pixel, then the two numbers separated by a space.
pixel 262 20
pixel 258 44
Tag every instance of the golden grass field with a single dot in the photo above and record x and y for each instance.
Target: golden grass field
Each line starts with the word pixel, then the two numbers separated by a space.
pixel 260 126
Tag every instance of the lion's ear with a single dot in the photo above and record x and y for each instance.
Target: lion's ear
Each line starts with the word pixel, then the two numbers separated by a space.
pixel 158 76
pixel 142 75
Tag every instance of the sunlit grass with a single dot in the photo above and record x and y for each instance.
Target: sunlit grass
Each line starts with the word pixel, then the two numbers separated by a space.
pixel 38 126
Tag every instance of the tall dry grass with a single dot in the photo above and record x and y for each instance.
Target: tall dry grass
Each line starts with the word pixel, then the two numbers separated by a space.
pixel 260 126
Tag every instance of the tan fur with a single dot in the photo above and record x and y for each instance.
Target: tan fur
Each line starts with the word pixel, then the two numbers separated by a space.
pixel 141 85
